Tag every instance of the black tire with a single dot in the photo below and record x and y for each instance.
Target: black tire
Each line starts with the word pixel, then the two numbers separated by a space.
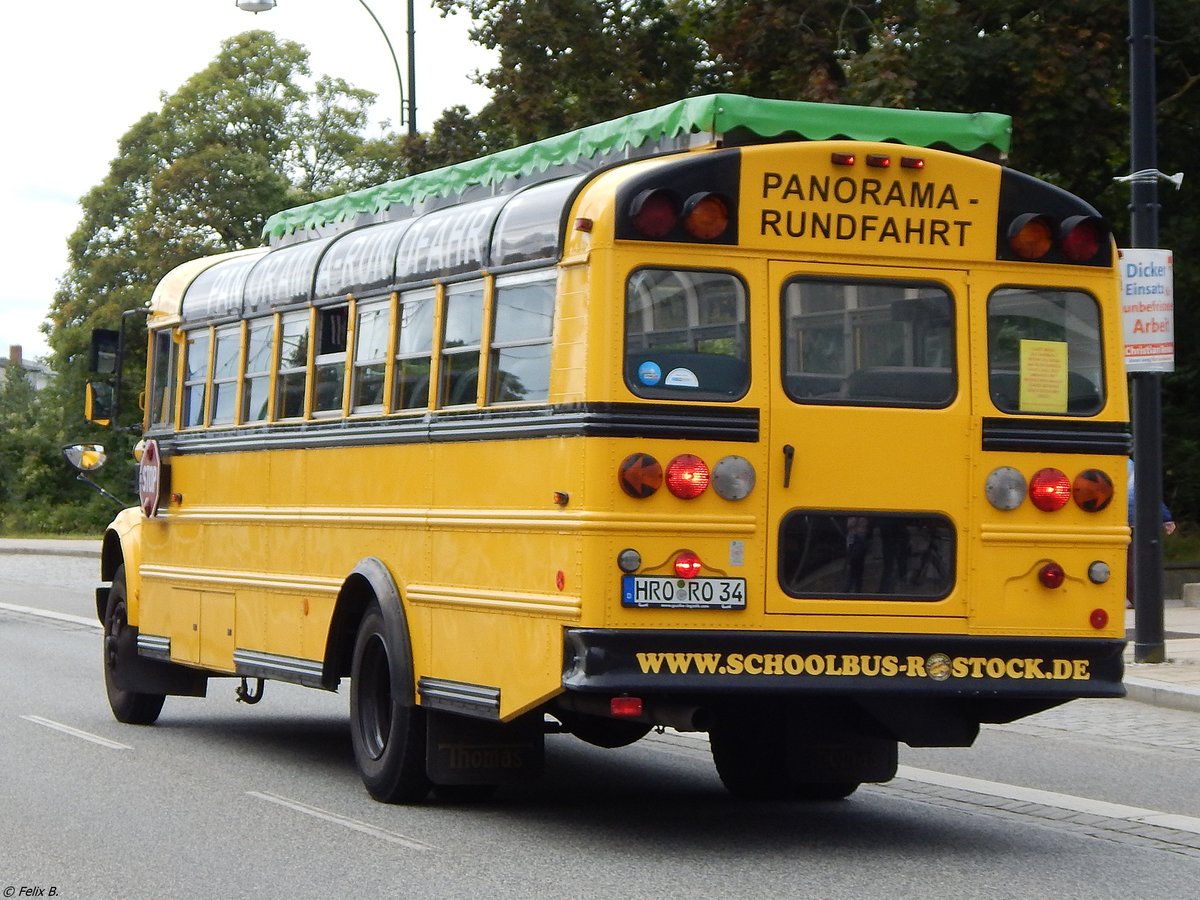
pixel 753 764
pixel 387 729
pixel 129 707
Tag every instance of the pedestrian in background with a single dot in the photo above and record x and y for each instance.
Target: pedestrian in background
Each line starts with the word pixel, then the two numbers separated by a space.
pixel 1168 528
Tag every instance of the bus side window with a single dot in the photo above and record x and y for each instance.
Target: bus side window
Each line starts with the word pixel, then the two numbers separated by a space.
pixel 226 354
pixel 330 371
pixel 162 380
pixel 293 365
pixel 414 350
pixel 461 343
pixel 520 348
pixel 370 357
pixel 195 378
pixel 256 385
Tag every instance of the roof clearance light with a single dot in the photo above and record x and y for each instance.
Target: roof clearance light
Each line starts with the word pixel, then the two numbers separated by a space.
pixel 1049 489
pixel 640 475
pixel 1005 488
pixel 878 161
pixel 705 216
pixel 843 159
pixel 654 213
pixel 1092 490
pixel 1030 236
pixel 1051 575
pixel 687 476
pixel 1081 238
pixel 912 162
pixel 688 565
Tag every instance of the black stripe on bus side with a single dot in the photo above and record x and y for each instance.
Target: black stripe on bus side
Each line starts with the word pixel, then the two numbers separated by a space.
pixel 640 420
pixel 1058 436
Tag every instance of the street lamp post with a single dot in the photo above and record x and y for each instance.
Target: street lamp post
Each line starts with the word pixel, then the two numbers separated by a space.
pixel 407 111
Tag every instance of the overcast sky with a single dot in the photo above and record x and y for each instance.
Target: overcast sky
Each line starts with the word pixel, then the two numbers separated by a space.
pixel 78 73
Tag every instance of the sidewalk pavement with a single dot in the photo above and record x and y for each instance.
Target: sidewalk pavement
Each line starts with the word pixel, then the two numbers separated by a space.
pixel 1174 683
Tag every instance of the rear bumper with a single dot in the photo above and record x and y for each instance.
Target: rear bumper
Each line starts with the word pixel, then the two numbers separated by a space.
pixel 827 664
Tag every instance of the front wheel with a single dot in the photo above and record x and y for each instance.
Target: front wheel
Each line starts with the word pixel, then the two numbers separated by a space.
pixel 387 729
pixel 120 649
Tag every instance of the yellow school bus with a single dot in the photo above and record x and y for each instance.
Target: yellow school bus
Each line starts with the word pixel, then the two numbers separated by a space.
pixel 793 423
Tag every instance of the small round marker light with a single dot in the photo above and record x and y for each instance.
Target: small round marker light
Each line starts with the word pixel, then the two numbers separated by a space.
pixel 1099 572
pixel 1099 618
pixel 1051 575
pixel 629 560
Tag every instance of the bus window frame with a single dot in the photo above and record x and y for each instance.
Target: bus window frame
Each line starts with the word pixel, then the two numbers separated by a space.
pixel 683 394
pixel 398 356
pixel 281 372
pixel 238 330
pixel 387 304
pixel 247 378
pixel 203 379
pixel 324 319
pixel 853 319
pixel 448 394
pixel 163 381
pixel 1102 388
pixel 542 276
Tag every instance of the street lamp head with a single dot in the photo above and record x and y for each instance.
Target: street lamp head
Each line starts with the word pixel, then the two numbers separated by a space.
pixel 255 6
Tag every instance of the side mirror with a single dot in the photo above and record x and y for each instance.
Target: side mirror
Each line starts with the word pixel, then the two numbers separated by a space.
pixel 85 457
pixel 98 397
pixel 104 350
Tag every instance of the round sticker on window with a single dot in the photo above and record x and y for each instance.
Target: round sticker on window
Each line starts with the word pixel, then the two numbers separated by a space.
pixel 649 373
pixel 682 377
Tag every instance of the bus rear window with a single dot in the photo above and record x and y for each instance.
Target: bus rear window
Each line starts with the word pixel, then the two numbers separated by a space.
pixel 686 336
pixel 1044 353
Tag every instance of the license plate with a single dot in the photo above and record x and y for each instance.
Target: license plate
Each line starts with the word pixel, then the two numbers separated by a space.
pixel 656 592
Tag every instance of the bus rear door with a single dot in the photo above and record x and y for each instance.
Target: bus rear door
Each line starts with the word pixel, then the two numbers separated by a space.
pixel 870 443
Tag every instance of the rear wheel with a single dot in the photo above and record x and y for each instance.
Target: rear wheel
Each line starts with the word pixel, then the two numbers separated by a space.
pixel 120 649
pixel 387 729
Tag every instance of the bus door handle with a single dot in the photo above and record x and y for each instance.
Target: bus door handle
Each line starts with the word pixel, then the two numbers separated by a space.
pixel 789 453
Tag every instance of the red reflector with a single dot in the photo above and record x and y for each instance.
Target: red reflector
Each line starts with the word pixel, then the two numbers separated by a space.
pixel 705 216
pixel 1099 618
pixel 654 213
pixel 1051 575
pixel 688 565
pixel 1049 489
pixel 912 162
pixel 640 475
pixel 878 160
pixel 1031 236
pixel 583 224
pixel 625 707
pixel 1092 490
pixel 687 476
pixel 843 159
pixel 1081 238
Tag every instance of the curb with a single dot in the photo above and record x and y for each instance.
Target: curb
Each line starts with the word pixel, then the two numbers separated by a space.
pixel 85 550
pixel 1158 693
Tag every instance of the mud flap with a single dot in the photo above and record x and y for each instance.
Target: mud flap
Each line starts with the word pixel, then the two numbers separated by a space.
pixel 465 750
pixel 150 676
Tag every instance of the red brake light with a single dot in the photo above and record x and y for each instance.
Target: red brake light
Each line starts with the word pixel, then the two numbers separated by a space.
pixel 625 707
pixel 687 476
pixel 1049 489
pixel 705 216
pixel 688 565
pixel 1031 236
pixel 654 213
pixel 1081 238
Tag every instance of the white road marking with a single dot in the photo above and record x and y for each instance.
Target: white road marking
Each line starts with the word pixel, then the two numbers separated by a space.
pixel 75 732
pixel 50 614
pixel 1051 798
pixel 344 821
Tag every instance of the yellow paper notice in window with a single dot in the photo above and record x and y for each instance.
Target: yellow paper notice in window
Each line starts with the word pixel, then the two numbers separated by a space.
pixel 1043 376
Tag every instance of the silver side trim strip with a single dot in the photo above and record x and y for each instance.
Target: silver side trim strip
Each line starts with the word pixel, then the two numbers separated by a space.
pixel 477 700
pixel 154 646
pixel 256 664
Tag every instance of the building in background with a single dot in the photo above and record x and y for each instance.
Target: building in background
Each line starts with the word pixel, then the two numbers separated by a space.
pixel 38 374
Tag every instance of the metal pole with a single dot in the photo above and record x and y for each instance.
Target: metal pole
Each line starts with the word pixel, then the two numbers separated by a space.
pixel 412 71
pixel 1149 637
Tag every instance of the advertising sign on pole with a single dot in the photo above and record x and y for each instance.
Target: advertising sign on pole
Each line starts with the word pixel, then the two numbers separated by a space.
pixel 1148 310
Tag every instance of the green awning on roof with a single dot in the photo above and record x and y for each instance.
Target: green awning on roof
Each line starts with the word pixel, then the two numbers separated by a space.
pixel 715 116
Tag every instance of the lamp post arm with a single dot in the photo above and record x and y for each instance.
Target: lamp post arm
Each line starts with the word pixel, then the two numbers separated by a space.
pixel 395 61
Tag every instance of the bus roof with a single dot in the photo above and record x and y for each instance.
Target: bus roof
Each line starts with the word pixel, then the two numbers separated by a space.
pixel 727 119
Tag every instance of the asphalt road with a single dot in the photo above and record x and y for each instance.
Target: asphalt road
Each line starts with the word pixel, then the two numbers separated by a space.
pixel 222 800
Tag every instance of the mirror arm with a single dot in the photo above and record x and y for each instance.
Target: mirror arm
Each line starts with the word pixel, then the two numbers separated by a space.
pixel 82 476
